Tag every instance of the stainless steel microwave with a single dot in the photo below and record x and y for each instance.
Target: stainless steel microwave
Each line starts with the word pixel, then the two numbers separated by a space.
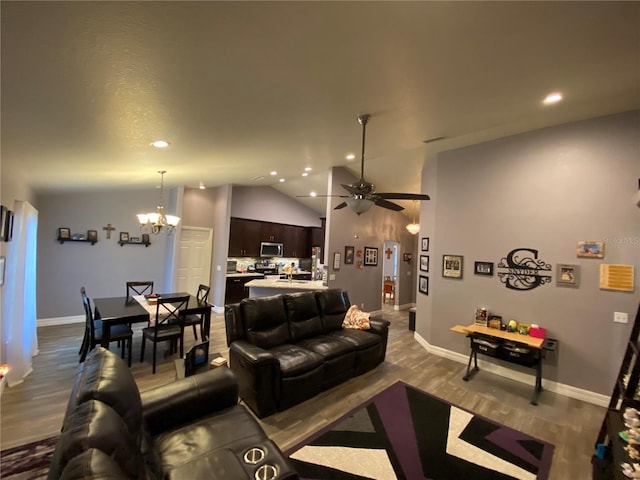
pixel 270 249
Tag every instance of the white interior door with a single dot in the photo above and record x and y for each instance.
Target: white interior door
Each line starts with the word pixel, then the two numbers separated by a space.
pixel 194 258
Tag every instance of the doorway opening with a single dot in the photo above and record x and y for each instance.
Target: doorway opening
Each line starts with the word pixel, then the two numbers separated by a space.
pixel 390 272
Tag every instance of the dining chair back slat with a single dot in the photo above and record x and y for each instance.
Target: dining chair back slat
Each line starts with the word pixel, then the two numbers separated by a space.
pixel 198 320
pixel 168 326
pixel 93 333
pixel 139 288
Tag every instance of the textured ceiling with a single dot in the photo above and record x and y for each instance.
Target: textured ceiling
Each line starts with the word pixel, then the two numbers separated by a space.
pixel 243 88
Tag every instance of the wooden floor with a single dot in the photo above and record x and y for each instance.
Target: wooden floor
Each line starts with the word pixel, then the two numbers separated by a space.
pixel 34 409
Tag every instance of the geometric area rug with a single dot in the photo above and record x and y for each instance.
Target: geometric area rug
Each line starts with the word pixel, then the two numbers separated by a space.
pixel 405 433
pixel 28 462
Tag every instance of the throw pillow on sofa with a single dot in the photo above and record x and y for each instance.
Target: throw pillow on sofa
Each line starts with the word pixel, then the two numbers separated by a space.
pixel 356 318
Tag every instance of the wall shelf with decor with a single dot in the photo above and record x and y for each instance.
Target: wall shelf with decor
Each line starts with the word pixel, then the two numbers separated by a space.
pixel 128 242
pixel 64 235
pixel 84 240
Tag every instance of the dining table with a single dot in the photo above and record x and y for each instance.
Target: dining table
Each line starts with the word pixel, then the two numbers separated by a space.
pixel 127 310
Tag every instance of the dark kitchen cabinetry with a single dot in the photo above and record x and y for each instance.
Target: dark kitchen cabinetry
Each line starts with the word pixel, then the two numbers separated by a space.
pixel 244 238
pixel 296 241
pixel 235 289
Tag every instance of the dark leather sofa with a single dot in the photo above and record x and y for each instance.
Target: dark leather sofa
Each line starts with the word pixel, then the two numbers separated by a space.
pixel 191 429
pixel 287 348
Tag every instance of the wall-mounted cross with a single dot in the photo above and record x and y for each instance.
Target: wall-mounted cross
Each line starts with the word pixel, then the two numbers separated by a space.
pixel 109 229
pixel 389 252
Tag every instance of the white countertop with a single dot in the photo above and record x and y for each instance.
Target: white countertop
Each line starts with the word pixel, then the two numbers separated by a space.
pixel 248 274
pixel 286 284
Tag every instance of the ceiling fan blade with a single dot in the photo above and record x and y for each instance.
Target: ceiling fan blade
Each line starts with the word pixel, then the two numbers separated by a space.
pixel 342 205
pixel 385 204
pixel 404 196
pixel 323 196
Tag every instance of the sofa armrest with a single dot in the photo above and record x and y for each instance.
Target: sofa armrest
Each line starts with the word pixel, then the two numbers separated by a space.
pixel 379 326
pixel 258 372
pixel 188 399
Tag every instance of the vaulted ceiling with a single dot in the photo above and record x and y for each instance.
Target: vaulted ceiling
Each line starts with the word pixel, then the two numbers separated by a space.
pixel 241 89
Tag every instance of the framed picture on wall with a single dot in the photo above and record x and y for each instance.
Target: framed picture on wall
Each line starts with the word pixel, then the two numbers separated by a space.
pixel 423 284
pixel 64 233
pixel 452 266
pixel 567 275
pixel 483 268
pixel 425 244
pixel 424 263
pixel 348 255
pixel 124 236
pixel 588 249
pixel 370 256
pixel 336 260
pixel 92 235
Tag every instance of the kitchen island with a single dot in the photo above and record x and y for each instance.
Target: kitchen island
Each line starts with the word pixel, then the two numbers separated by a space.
pixel 264 288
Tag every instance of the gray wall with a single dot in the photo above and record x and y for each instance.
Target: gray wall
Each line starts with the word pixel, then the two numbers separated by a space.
pixel 102 268
pixel 372 228
pixel 546 190
pixel 269 205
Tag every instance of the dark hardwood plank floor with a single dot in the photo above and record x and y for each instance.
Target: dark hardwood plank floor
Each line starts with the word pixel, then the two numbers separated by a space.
pixel 34 409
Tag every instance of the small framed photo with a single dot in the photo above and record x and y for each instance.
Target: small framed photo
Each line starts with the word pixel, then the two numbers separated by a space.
pixel 424 263
pixel 92 235
pixel 452 266
pixel 336 260
pixel 145 238
pixel 425 244
pixel 124 236
pixel 407 257
pixel 590 249
pixel 348 255
pixel 483 268
pixel 567 275
pixel 423 284
pixel 64 233
pixel 370 257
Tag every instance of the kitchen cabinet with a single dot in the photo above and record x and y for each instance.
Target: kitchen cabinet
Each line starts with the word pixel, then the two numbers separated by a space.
pixel 235 289
pixel 296 241
pixel 244 238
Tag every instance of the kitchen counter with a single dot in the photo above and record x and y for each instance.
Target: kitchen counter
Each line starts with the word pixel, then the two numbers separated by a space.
pixel 263 288
pixel 245 275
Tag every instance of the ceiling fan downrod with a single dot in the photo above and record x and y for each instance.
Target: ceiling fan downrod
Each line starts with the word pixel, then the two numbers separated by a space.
pixel 362 120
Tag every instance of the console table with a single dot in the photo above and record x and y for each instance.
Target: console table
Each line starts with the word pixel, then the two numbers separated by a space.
pixel 509 346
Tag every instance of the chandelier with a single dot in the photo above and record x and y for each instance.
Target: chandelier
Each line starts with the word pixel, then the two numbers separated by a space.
pixel 413 227
pixel 157 221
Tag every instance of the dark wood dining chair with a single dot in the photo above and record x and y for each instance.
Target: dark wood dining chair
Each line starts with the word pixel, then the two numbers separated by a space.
pixel 167 327
pixel 118 333
pixel 139 288
pixel 198 319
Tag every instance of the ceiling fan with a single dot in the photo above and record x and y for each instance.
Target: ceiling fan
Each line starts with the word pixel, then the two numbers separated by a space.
pixel 363 195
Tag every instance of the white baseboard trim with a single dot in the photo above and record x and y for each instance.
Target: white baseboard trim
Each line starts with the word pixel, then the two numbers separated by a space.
pixel 405 306
pixel 49 322
pixel 555 387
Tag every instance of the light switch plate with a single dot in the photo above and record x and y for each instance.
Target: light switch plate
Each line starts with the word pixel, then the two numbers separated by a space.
pixel 620 317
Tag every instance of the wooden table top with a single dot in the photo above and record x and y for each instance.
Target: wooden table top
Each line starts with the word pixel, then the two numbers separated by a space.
pixel 494 332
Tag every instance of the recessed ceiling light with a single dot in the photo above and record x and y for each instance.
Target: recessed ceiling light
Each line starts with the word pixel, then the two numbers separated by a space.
pixel 552 98
pixel 160 144
pixel 282 180
pixel 313 194
pixel 201 186
pixel 307 169
pixel 273 174
pixel 351 156
pixel 305 174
